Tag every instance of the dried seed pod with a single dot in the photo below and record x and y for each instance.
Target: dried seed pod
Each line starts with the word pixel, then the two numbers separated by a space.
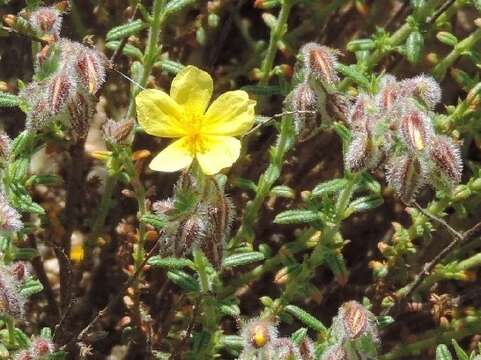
pixel 117 132
pixel 10 219
pixel 90 68
pixel 446 159
pixel 304 103
pixel 406 175
pixel 47 20
pixel 416 130
pixel 320 63
pixel 334 352
pixel 60 90
pixel 81 110
pixel 423 88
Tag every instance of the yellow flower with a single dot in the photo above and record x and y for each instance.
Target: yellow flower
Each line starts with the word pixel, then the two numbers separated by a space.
pixel 205 133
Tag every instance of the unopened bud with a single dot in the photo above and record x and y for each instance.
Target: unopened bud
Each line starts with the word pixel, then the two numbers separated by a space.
pixel 320 63
pixel 90 67
pixel 285 349
pixel 10 20
pixel 42 347
pixel 60 90
pixel 307 350
pixel 304 103
pixel 406 175
pixel 257 333
pixel 354 321
pixel 191 231
pixel 19 270
pixel 5 145
pixel 423 88
pixel 338 107
pixel 334 352
pixel 446 158
pixel 11 300
pixel 47 20
pixel 117 132
pixel 80 109
pixel 10 219
pixel 416 131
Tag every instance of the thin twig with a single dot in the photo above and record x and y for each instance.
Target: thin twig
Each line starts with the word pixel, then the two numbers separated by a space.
pixel 439 11
pixel 28 36
pixel 440 221
pixel 115 299
pixel 277 116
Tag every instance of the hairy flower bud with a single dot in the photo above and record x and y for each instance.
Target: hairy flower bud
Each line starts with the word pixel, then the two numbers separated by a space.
pixel 18 270
pixel 117 132
pixel 320 63
pixel 406 175
pixel 10 219
pixel 338 107
pixel 334 352
pixel 258 333
pixel 80 109
pixel 59 91
pixel 446 158
pixel 5 146
pixel 11 300
pixel 307 350
pixel 47 20
pixel 42 347
pixel 191 231
pixel 304 103
pixel 285 349
pixel 90 67
pixel 388 94
pixel 354 321
pixel 424 89
pixel 416 130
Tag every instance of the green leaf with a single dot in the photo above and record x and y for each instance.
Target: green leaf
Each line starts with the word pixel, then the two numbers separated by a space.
pixel 170 66
pixel 128 50
pixel 298 336
pixel 243 259
pixel 327 187
pixel 25 253
pixel 169 262
pixel 306 318
pixel 442 353
pixel 156 221
pixel 354 74
pixel 230 310
pixel 8 100
pixel 46 333
pixel 174 6
pixel 360 44
pixel 364 203
pixel 447 38
pixel 183 280
pixel 460 353
pixel 125 30
pixel 31 287
pixel 21 338
pixel 50 65
pixel 264 90
pixel 477 4
pixel 283 191
pixel 384 320
pixel 43 180
pixel 297 217
pixel 22 144
pixel 343 132
pixel 232 342
pixel 414 47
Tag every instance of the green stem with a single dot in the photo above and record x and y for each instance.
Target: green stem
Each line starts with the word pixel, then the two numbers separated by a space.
pixel 468 43
pixel 276 36
pixel 152 49
pixel 266 181
pixel 11 331
pixel 463 328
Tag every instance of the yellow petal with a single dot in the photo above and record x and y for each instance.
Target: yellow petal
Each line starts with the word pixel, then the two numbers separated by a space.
pixel 159 114
pixel 192 89
pixel 218 152
pixel 230 114
pixel 174 157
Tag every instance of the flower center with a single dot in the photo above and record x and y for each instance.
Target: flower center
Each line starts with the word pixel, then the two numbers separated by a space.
pixel 195 140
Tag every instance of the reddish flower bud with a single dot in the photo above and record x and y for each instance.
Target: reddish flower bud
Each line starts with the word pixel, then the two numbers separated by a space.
pixel 354 321
pixel 362 153
pixel 117 132
pixel 285 349
pixel 80 109
pixel 191 231
pixel 307 350
pixel 424 89
pixel 47 20
pixel 60 89
pixel 304 102
pixel 24 355
pixel 416 130
pixel 446 158
pixel 18 270
pixel 12 302
pixel 10 219
pixel 406 175
pixel 90 67
pixel 334 352
pixel 388 94
pixel 42 347
pixel 163 207
pixel 338 107
pixel 320 63
pixel 5 145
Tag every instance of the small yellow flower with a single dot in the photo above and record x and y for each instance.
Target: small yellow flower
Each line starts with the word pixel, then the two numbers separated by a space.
pixel 205 133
